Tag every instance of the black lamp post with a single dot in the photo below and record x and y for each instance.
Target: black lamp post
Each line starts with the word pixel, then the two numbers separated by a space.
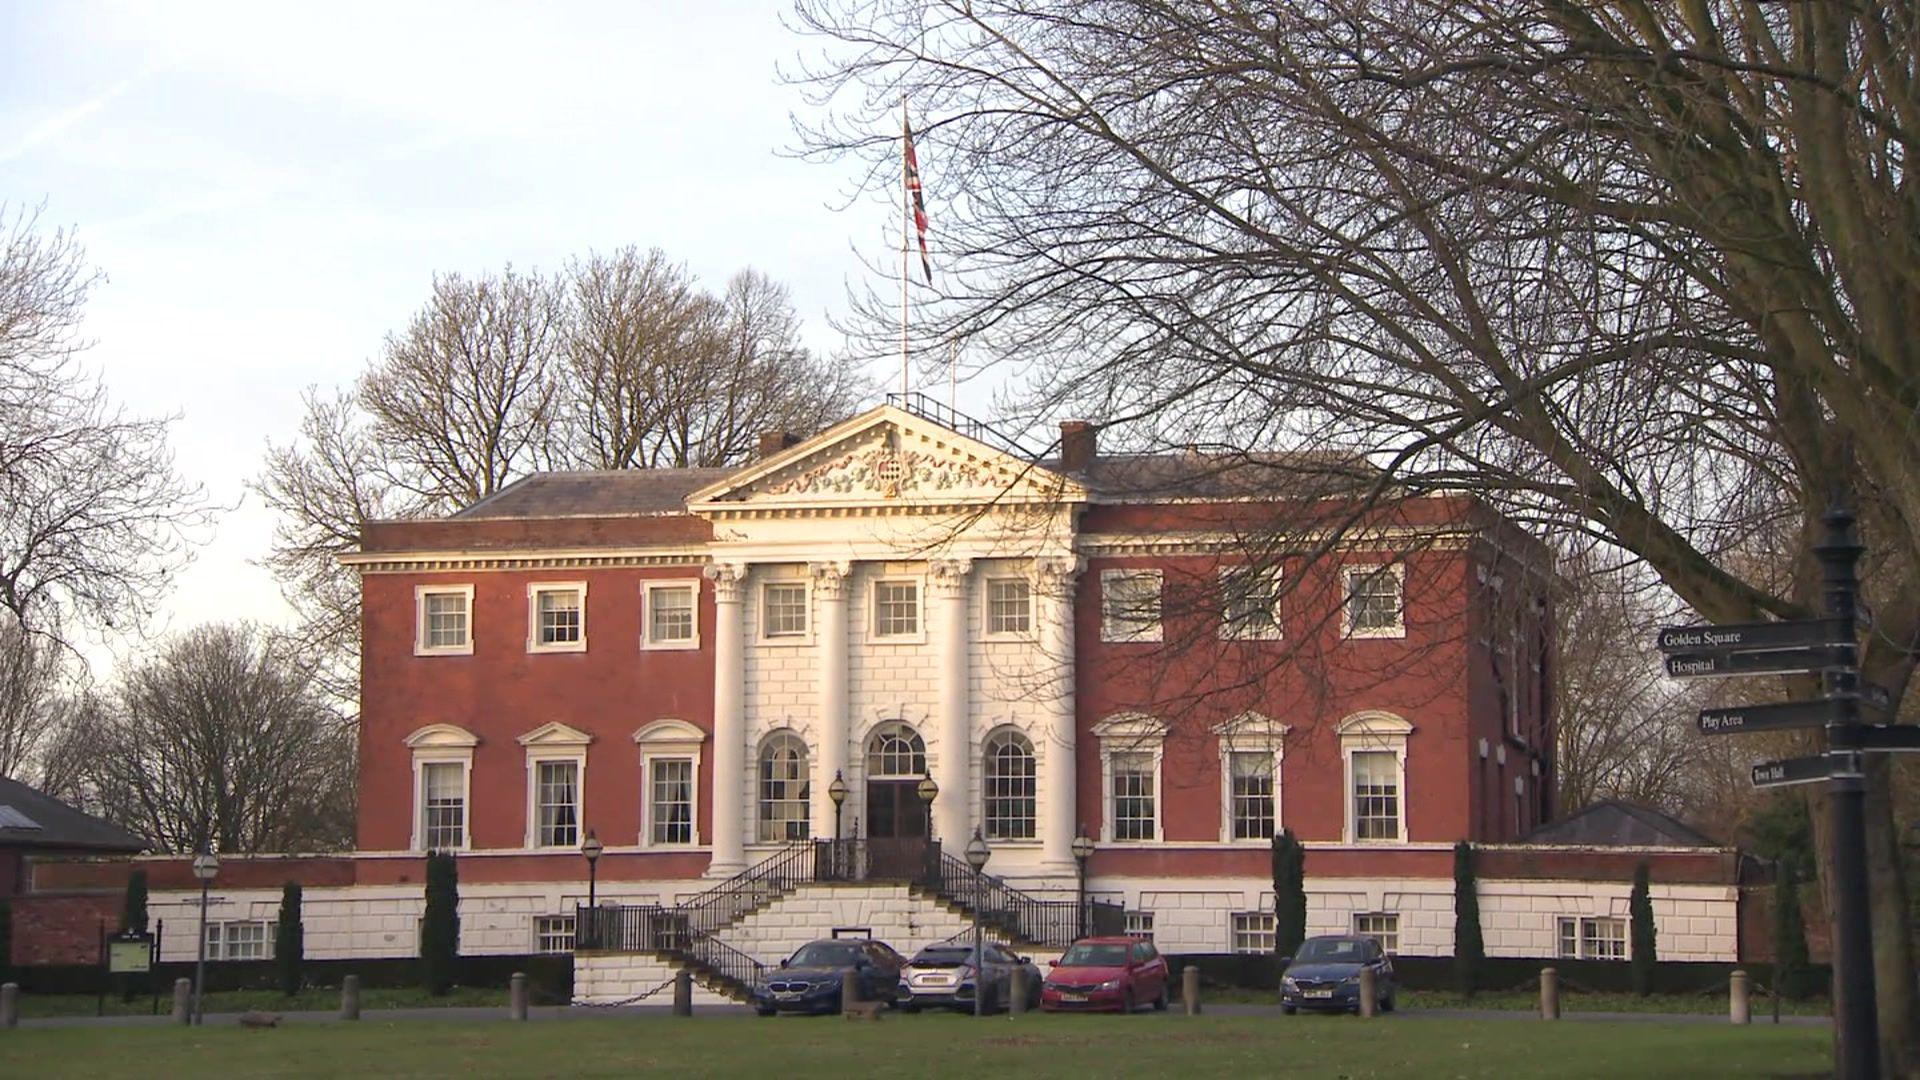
pixel 1082 851
pixel 977 854
pixel 592 849
pixel 837 791
pixel 205 866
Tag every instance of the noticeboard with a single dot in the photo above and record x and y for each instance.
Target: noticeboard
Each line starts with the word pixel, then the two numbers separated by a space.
pixel 129 954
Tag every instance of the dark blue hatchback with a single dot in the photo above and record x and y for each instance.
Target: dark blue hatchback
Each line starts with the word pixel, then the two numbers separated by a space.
pixel 1325 974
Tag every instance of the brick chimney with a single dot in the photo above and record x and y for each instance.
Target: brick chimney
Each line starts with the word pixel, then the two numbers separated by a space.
pixel 1079 442
pixel 772 442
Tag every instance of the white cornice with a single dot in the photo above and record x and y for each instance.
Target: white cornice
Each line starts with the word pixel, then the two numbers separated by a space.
pixel 390 562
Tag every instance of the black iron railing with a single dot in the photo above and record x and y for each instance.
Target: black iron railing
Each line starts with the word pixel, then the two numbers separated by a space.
pixel 750 890
pixel 952 419
pixel 1019 915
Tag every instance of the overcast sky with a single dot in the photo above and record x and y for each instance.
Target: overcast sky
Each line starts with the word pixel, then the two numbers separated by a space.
pixel 270 188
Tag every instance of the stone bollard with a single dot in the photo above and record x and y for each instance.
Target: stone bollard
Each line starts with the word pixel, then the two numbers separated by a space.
pixel 9 1006
pixel 182 1001
pixel 849 990
pixel 350 998
pixel 1740 998
pixel 683 993
pixel 1549 994
pixel 1369 993
pixel 1190 990
pixel 517 995
pixel 1017 994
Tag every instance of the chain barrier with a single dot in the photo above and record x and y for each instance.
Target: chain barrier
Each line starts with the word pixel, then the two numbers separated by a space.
pixel 642 996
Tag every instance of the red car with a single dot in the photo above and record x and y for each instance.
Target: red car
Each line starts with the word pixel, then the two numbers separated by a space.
pixel 1102 973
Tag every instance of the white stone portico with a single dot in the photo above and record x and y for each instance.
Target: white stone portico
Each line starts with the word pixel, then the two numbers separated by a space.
pixel 896 531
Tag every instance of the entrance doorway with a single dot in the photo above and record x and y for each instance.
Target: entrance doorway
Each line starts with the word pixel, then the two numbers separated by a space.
pixel 896 818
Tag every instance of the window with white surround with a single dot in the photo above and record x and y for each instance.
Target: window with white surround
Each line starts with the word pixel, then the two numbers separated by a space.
pixel 670 811
pixel 240 939
pixel 1250 757
pixel 553 933
pixel 557 617
pixel 1130 605
pixel 1382 926
pixel 1603 938
pixel 785 792
pixel 783 609
pixel 558 801
pixel 1253 932
pixel 443 620
pixel 1375 606
pixel 1009 606
pixel 1130 751
pixel 896 608
pixel 896 752
pixel 670 778
pixel 671 619
pixel 442 774
pixel 556 782
pixel 1250 603
pixel 1139 924
pixel 1374 746
pixel 1010 783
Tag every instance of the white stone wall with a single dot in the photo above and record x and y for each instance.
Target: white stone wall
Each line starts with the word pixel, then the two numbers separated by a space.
pixel 890 913
pixel 609 978
pixel 1691 922
pixel 783 684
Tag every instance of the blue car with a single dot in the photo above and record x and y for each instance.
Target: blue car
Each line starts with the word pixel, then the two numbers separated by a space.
pixel 809 980
pixel 1325 974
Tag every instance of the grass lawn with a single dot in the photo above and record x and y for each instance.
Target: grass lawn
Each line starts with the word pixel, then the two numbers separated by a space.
pixel 1332 1046
pixel 237 1001
pixel 1570 1002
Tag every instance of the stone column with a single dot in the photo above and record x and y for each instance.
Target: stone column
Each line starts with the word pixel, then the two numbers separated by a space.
pixel 954 718
pixel 729 719
pixel 830 662
pixel 1054 580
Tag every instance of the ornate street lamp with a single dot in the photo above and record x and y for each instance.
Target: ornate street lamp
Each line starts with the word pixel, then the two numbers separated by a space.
pixel 205 866
pixel 837 791
pixel 928 791
pixel 977 855
pixel 592 849
pixel 1082 851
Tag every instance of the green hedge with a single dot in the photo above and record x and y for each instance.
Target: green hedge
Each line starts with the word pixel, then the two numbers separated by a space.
pixel 550 975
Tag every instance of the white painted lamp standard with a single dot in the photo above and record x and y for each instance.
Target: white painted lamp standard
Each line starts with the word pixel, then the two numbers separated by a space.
pixel 977 854
pixel 1082 851
pixel 205 866
pixel 837 791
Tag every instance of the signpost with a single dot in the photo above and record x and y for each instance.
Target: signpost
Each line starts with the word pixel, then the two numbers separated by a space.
pixel 1825 645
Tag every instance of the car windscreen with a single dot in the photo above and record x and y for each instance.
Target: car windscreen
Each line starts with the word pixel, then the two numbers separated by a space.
pixel 938 958
pixel 1331 951
pixel 826 954
pixel 1095 956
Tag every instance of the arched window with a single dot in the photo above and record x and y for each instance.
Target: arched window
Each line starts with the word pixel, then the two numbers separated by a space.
pixel 896 752
pixel 784 789
pixel 1009 786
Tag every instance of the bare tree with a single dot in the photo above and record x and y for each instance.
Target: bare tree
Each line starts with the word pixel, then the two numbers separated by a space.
pixel 37 704
pixel 622 362
pixel 223 737
pixel 93 518
pixel 1640 274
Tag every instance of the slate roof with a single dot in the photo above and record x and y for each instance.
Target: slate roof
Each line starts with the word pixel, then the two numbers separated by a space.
pixel 1619 824
pixel 29 818
pixel 613 493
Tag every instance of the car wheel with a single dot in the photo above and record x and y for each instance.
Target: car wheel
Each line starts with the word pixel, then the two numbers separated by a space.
pixel 1160 1003
pixel 1126 1002
pixel 1289 1009
pixel 909 1007
pixel 1386 1003
pixel 762 1012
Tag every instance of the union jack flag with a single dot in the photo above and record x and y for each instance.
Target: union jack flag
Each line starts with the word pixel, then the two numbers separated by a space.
pixel 913 191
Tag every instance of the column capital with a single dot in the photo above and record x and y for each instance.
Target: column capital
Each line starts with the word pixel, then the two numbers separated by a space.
pixel 1057 573
pixel 729 580
pixel 830 579
pixel 949 576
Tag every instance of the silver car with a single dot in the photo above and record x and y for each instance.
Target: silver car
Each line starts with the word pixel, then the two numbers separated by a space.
pixel 946 977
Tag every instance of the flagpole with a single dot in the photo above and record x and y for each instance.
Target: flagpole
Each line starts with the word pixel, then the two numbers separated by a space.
pixel 906 227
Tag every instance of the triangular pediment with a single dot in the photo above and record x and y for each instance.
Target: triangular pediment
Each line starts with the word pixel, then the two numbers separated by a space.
pixel 888 457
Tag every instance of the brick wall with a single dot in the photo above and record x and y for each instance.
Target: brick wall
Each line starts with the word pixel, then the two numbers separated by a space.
pixel 62 929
